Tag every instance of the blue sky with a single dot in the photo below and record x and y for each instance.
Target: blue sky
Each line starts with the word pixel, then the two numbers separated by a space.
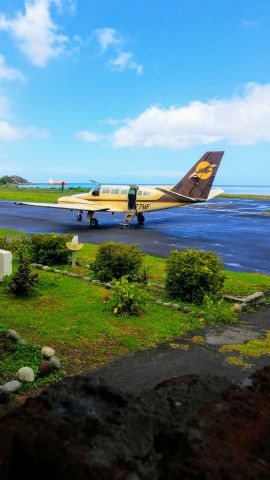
pixel 126 91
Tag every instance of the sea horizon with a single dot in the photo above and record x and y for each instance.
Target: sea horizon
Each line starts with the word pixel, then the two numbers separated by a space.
pixel 233 189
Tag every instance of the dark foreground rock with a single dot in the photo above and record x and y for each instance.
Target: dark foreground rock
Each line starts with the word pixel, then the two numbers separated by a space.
pixel 186 428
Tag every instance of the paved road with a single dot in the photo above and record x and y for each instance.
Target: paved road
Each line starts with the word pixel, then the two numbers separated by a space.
pixel 144 370
pixel 238 230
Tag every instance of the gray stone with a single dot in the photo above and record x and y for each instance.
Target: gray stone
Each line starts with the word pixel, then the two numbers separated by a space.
pixel 96 282
pixel 158 302
pixel 45 267
pixel 12 387
pixel 47 352
pixel 175 306
pixel 55 361
pixel 108 285
pixel 21 341
pixel 13 335
pixel 56 270
pixel 37 265
pixel 25 374
pixel 257 297
pixel 87 279
pixel 167 304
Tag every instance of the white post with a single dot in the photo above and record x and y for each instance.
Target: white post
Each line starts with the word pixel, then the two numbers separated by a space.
pixel 5 264
pixel 74 255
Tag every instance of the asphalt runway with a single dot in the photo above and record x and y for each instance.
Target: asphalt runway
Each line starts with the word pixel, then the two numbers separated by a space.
pixel 237 229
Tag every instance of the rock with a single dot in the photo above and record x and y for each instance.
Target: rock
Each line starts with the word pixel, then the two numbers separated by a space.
pixel 175 306
pixel 12 387
pixel 46 368
pixel 25 374
pixel 257 297
pixel 158 302
pixel 4 396
pixel 96 282
pixel 47 352
pixel 55 361
pixel 13 335
pixel 186 310
pixel 187 427
pixel 108 285
pixel 87 279
pixel 167 304
pixel 37 265
pixel 237 308
pixel 21 341
pixel 46 267
pixel 56 270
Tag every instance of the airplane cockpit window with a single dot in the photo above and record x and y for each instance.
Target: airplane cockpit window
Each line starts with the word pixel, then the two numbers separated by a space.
pixel 96 192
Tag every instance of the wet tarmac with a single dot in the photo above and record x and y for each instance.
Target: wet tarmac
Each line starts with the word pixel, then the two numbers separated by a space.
pixel 237 229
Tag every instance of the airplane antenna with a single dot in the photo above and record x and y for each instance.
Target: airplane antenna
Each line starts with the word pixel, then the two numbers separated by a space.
pixel 95 183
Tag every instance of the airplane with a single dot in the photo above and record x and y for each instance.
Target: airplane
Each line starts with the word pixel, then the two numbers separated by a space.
pixel 135 201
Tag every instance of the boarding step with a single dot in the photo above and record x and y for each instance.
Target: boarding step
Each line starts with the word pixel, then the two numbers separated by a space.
pixel 128 218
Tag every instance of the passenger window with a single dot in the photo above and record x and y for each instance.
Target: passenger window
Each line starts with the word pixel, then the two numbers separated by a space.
pixel 146 193
pixel 140 192
pixel 115 190
pixel 106 190
pixel 124 192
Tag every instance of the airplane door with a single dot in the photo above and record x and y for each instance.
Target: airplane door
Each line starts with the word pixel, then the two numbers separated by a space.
pixel 132 197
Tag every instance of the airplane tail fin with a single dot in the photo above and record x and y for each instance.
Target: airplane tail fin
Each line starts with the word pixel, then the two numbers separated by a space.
pixel 198 182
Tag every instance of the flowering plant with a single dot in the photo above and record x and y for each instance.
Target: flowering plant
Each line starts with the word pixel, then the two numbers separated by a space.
pixel 128 298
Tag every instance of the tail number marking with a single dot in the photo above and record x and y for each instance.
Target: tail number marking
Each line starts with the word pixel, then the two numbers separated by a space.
pixel 142 206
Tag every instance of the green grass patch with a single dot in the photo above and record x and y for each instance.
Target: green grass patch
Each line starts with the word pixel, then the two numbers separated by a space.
pixel 6 231
pixel 32 195
pixel 241 195
pixel 253 348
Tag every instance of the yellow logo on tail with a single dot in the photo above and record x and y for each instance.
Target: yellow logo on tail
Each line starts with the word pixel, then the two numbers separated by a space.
pixel 204 170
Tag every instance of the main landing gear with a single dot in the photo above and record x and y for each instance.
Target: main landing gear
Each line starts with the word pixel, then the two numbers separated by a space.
pixel 79 216
pixel 93 223
pixel 140 218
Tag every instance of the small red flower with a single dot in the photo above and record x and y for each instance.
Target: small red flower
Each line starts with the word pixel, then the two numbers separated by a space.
pixel 106 298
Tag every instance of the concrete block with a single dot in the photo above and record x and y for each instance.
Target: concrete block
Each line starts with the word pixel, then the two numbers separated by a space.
pixel 5 263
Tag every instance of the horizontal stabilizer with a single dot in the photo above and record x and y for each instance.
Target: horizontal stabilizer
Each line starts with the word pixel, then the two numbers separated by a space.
pixel 178 197
pixel 214 193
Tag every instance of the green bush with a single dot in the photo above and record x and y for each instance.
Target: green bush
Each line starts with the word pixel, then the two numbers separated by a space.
pixel 49 248
pixel 128 298
pixel 22 282
pixel 114 260
pixel 194 274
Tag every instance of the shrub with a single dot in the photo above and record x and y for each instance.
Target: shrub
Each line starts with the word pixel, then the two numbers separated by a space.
pixel 49 248
pixel 114 260
pixel 128 298
pixel 193 274
pixel 23 280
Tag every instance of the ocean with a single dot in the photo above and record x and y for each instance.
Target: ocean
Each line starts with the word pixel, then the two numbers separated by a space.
pixel 241 189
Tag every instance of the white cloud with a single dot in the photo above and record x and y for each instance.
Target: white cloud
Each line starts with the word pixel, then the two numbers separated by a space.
pixel 110 40
pixel 124 60
pixel 107 37
pixel 35 32
pixel 8 73
pixel 240 120
pixel 250 23
pixel 89 136
pixel 110 121
pixel 9 133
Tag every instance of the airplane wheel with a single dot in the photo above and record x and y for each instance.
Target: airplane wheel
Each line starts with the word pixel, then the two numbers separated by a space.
pixel 79 217
pixel 141 219
pixel 93 223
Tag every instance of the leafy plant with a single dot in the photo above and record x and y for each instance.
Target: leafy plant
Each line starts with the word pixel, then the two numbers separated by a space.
pixel 22 282
pixel 49 248
pixel 128 298
pixel 193 274
pixel 114 260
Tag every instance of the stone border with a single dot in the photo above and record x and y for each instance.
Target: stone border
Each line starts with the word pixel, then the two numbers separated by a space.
pixel 48 365
pixel 241 303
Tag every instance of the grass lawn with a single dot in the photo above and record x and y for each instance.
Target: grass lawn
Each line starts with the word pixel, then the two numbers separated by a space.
pixel 70 315
pixel 6 231
pixel 33 195
pixel 235 284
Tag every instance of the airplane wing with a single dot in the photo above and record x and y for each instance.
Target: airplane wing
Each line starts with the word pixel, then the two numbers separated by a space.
pixel 178 197
pixel 89 207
